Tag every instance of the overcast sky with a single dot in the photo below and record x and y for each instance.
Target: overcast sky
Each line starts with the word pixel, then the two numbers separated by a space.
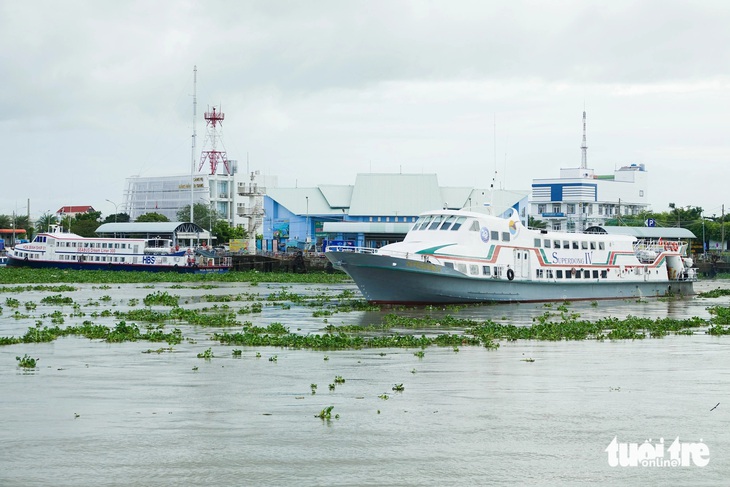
pixel 315 92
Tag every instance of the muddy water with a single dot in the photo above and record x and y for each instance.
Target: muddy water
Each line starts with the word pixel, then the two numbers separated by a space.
pixel 101 414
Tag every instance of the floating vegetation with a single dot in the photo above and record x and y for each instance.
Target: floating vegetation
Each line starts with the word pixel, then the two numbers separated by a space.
pixel 159 350
pixel 273 358
pixel 237 352
pixel 58 299
pixel 326 414
pixel 398 388
pixel 715 293
pixel 313 387
pixel 27 362
pixel 384 397
pixel 339 379
pixel 161 298
pixel 24 289
pixel 207 354
pixel 420 354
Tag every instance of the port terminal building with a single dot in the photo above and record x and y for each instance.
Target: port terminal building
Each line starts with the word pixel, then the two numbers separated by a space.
pixel 376 210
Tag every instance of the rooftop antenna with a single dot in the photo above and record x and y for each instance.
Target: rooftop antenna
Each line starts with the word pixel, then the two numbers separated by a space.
pixel 584 146
pixel 192 164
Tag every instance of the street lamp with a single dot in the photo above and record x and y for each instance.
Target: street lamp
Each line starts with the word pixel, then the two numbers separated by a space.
pixel 116 212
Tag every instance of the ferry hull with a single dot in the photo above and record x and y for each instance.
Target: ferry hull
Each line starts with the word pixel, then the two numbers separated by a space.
pixel 392 280
pixel 98 266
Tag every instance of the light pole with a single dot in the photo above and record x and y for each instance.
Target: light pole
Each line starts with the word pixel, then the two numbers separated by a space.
pixel 116 212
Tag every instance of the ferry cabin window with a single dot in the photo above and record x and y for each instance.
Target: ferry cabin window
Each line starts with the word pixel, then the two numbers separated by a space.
pixel 474 226
pixel 587 274
pixel 538 242
pixel 559 274
pixel 498 271
pixel 595 274
pixel 425 222
pixel 415 225
pixel 539 273
pixel 447 223
pixel 593 245
pixel 549 273
pixel 435 223
pixel 568 274
pixel 566 244
pixel 604 274
pixel 601 246
pixel 450 265
pixel 577 274
pixel 505 236
pixel 485 270
pixel 494 235
pixel 556 244
pixel 474 269
pixel 457 224
pixel 461 268
pixel 575 245
pixel 547 244
pixel 584 245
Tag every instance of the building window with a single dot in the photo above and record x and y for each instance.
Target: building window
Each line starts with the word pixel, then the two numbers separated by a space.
pixel 556 207
pixel 541 208
pixel 485 270
pixel 571 209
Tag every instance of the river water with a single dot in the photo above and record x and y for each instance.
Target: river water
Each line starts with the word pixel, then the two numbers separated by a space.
pixel 100 414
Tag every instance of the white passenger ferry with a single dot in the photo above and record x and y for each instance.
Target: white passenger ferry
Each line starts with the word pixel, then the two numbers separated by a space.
pixel 464 256
pixel 65 250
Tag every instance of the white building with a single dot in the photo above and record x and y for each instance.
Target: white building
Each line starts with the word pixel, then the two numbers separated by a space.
pixel 237 198
pixel 579 198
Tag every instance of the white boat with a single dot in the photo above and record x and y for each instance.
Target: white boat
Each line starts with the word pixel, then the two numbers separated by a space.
pixel 65 250
pixel 466 256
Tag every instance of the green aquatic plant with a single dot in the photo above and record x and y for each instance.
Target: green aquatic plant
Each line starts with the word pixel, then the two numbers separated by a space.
pixel 313 387
pixel 398 388
pixel 326 414
pixel 57 299
pixel 237 352
pixel 27 362
pixel 161 298
pixel 339 379
pixel 207 354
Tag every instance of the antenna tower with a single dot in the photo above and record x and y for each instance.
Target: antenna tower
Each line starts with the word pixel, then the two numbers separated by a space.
pixel 214 122
pixel 584 146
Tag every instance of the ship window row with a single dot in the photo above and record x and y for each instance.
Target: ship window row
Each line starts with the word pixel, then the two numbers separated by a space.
pixel 91 258
pixel 92 245
pixel 439 222
pixel 571 274
pixel 568 244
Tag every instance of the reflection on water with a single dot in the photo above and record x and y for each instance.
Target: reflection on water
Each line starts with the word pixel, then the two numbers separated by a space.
pixel 108 414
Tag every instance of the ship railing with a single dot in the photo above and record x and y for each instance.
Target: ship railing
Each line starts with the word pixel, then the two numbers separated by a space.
pixel 660 245
pixel 347 248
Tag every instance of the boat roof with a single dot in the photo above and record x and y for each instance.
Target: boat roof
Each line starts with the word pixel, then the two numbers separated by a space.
pixel 643 232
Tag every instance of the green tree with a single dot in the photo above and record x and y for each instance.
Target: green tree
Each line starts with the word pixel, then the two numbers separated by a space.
pixel 117 218
pixel 535 223
pixel 85 227
pixel 223 232
pixel 43 223
pixel 152 217
pixel 205 217
pixel 89 216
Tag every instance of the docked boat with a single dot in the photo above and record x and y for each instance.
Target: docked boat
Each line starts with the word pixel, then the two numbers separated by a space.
pixel 470 257
pixel 65 250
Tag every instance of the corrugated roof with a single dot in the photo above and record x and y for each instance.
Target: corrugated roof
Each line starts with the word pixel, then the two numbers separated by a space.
pixel 367 227
pixel 337 196
pixel 301 200
pixel 149 228
pixel 395 194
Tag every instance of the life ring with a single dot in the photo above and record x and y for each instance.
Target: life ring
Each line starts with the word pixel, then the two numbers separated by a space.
pixel 675 246
pixel 672 246
pixel 510 274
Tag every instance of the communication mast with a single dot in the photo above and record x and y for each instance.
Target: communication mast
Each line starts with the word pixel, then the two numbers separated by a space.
pixel 214 122
pixel 584 146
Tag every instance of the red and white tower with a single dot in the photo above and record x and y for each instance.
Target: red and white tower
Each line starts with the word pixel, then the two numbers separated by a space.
pixel 214 122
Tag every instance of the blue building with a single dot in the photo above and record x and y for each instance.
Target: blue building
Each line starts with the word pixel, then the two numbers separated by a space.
pixel 378 209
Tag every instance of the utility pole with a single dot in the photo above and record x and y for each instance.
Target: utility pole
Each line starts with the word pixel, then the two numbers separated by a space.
pixel 722 229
